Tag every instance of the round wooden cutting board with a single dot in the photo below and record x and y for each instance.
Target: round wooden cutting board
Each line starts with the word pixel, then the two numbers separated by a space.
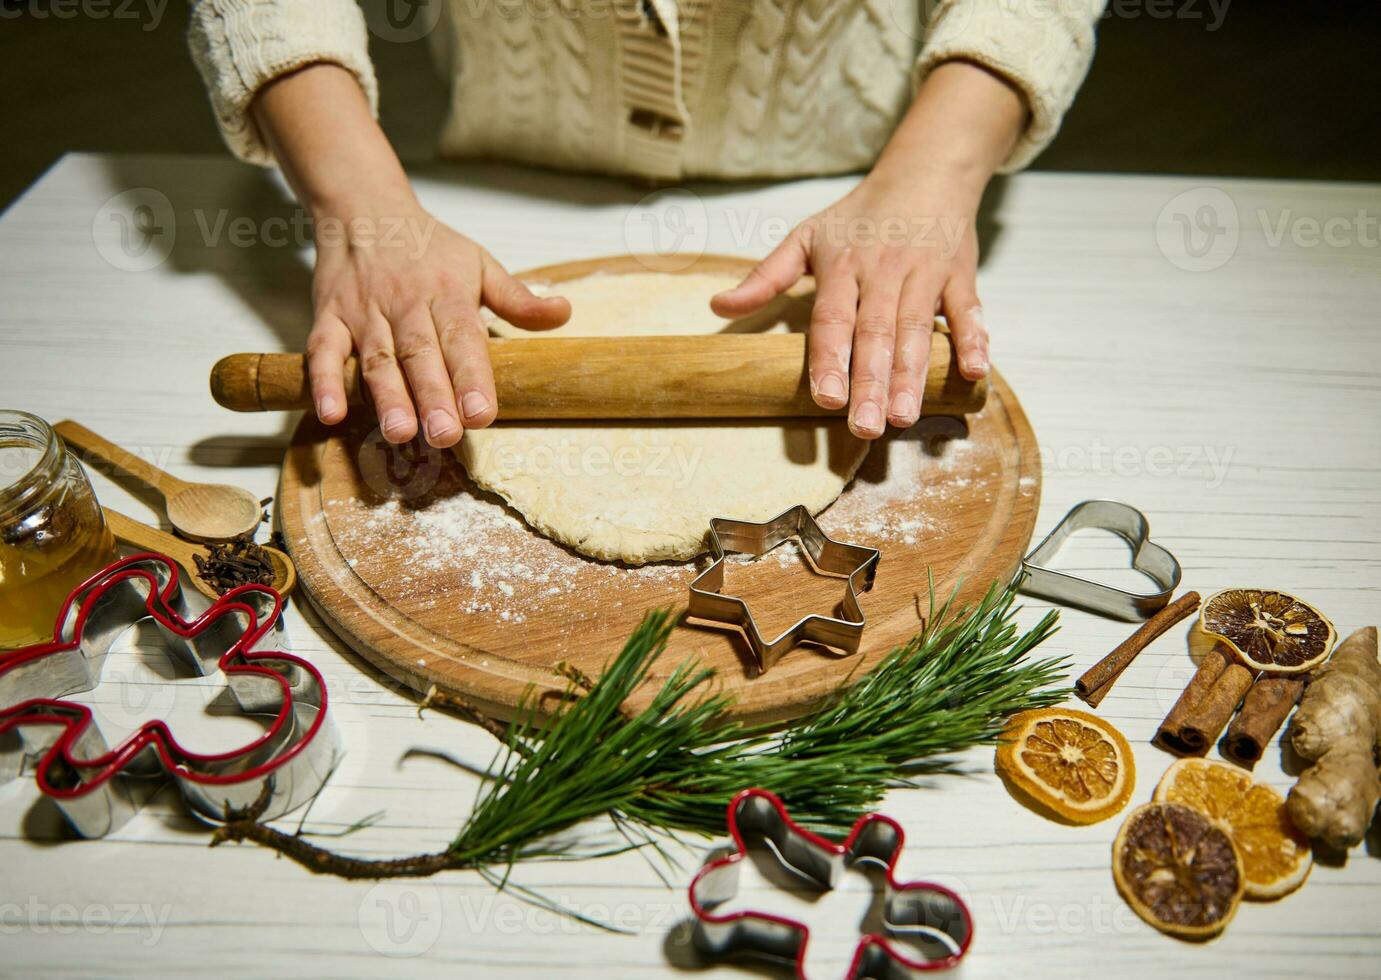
pixel 439 583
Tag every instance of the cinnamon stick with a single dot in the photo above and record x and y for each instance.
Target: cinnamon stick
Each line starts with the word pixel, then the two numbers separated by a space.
pixel 1264 710
pixel 1098 680
pixel 1169 735
pixel 1211 715
pixel 1219 675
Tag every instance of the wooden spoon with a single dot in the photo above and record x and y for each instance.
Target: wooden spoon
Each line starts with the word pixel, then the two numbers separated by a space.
pixel 141 535
pixel 200 511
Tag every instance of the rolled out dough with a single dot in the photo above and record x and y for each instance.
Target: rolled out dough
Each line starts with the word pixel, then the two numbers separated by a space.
pixel 646 492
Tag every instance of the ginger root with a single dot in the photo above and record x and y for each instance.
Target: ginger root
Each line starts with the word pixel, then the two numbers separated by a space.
pixel 1338 728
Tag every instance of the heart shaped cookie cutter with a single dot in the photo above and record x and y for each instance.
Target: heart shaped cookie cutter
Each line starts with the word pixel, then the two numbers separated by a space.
pixel 1149 558
pixel 240 636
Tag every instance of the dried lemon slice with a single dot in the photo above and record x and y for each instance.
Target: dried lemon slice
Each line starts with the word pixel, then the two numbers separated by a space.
pixel 1071 762
pixel 1178 870
pixel 1268 630
pixel 1275 856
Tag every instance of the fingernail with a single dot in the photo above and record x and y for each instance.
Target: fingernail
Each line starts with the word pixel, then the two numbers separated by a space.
pixel 976 365
pixel 325 406
pixel 474 404
pixel 868 418
pixel 394 422
pixel 831 386
pixel 904 407
pixel 440 425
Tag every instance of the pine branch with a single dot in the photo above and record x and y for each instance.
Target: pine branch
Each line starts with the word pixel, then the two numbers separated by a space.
pixel 675 764
pixel 952 686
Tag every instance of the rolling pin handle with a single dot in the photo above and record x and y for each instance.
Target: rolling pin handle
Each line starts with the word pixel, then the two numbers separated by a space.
pixel 270 383
pixel 235 383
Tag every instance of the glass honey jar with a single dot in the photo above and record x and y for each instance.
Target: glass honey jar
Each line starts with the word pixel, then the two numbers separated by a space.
pixel 53 534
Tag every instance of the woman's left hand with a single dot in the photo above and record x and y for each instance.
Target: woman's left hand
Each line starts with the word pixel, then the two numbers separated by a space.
pixel 885 261
pixel 897 249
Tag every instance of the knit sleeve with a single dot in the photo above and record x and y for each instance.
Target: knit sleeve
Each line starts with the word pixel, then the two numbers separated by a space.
pixel 241 45
pixel 1042 48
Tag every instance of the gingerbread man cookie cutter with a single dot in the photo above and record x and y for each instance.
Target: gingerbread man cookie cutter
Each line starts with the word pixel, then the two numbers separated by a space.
pixel 914 908
pixel 241 636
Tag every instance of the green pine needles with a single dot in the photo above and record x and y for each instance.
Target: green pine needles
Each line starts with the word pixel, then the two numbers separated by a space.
pixel 675 764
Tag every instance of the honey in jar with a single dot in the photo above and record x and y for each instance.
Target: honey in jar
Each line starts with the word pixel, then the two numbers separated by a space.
pixel 53 535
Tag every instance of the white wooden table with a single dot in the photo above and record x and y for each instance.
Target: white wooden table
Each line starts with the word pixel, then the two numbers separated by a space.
pixel 1237 405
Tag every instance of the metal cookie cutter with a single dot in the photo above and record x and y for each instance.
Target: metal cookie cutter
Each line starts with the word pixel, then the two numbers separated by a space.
pixel 1149 558
pixel 240 635
pixel 827 555
pixel 918 909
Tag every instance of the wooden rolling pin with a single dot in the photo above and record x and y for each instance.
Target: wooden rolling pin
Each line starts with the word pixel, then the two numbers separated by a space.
pixel 713 376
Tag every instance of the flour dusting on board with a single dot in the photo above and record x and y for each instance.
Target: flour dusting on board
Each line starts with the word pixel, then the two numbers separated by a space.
pixel 924 466
pixel 489 560
pixel 467 549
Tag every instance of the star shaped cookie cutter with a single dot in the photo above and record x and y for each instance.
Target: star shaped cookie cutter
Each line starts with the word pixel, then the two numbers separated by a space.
pixel 860 564
pixel 914 908
pixel 240 636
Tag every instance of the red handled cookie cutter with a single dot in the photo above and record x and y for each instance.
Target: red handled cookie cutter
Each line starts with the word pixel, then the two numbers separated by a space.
pixel 241 635
pixel 918 909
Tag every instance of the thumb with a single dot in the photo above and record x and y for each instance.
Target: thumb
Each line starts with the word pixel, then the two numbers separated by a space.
pixel 512 300
pixel 771 277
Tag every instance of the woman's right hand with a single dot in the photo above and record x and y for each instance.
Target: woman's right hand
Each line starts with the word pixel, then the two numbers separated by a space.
pixel 403 292
pixel 392 284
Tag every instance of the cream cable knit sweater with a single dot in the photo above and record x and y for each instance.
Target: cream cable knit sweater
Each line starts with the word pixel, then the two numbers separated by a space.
pixel 664 89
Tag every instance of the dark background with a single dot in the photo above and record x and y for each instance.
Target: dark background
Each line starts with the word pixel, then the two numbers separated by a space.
pixel 1278 90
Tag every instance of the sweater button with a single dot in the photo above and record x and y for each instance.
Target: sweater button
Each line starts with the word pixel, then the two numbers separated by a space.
pixel 659 125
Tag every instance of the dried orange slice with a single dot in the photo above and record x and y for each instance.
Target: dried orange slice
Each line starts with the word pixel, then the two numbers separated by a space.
pixel 1178 870
pixel 1267 630
pixel 1071 762
pixel 1275 856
